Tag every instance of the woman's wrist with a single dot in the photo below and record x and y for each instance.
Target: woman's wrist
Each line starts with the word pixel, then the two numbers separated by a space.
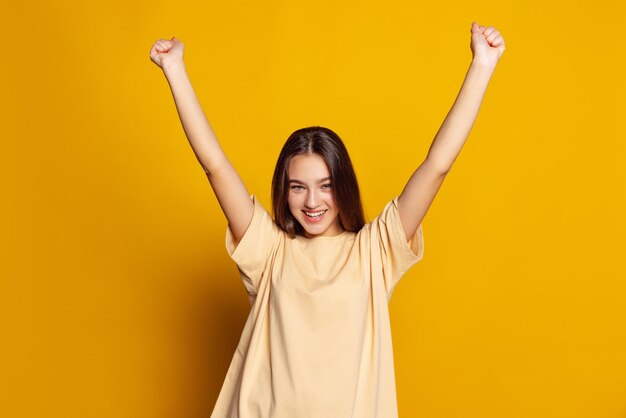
pixel 484 63
pixel 173 67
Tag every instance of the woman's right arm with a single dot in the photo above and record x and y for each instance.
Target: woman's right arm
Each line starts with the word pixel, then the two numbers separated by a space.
pixel 229 189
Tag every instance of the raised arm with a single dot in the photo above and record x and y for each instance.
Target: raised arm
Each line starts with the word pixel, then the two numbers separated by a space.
pixel 487 47
pixel 230 191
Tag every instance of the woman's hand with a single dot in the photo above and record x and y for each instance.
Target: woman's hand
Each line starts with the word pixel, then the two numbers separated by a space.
pixel 166 52
pixel 487 44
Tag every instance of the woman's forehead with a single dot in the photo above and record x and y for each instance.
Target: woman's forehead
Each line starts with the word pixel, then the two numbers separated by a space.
pixel 308 167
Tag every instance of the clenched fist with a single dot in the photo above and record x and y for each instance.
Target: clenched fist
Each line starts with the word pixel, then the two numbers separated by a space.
pixel 166 52
pixel 487 44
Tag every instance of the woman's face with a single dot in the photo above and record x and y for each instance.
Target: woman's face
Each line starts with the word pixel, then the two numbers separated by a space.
pixel 311 199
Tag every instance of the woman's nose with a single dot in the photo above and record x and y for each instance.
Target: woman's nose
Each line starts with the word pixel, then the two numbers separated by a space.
pixel 311 200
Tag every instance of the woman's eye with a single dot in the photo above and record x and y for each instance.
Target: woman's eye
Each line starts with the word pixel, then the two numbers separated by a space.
pixel 326 186
pixel 296 187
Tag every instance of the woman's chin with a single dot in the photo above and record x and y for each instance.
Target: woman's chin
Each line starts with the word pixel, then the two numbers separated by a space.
pixel 312 231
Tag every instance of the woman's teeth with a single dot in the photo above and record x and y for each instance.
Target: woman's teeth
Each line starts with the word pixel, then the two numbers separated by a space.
pixel 315 214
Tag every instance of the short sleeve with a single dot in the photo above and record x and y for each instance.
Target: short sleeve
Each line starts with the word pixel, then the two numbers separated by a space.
pixel 253 252
pixel 390 247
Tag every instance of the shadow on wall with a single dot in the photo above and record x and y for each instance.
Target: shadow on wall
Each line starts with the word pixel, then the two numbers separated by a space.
pixel 204 328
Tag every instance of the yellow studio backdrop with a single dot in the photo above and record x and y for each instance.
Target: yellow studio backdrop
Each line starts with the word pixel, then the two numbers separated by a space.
pixel 118 298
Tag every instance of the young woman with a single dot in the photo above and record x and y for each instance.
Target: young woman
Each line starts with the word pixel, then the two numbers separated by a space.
pixel 317 341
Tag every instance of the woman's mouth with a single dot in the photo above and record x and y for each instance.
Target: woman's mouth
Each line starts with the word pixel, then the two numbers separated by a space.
pixel 314 216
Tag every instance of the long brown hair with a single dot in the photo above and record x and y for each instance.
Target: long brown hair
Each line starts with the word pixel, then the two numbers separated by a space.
pixel 328 145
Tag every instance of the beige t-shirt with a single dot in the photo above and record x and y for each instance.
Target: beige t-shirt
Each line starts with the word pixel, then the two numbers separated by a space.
pixel 317 341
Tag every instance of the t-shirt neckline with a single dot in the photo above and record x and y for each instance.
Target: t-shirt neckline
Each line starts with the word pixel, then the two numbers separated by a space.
pixel 324 237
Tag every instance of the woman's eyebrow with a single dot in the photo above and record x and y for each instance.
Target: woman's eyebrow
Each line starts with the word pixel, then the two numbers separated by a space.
pixel 301 182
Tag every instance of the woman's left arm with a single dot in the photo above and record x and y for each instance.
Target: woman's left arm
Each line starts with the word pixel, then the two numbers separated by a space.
pixel 487 47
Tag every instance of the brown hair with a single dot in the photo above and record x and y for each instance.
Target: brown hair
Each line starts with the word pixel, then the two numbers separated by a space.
pixel 328 145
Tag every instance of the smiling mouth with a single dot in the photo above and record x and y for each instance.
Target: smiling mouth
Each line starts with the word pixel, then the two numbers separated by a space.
pixel 315 214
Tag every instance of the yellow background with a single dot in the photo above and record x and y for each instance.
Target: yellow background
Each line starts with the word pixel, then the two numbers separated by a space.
pixel 117 295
